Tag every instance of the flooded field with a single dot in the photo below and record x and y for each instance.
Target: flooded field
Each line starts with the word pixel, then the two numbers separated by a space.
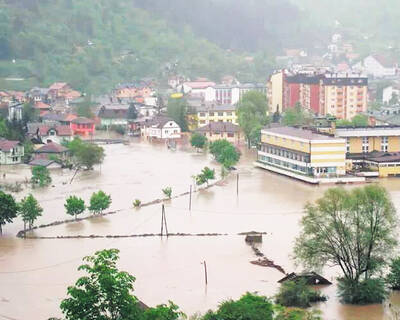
pixel 34 274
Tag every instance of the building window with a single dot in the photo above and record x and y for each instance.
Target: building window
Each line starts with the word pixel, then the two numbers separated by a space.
pixel 220 114
pixel 347 145
pixel 230 135
pixel 229 113
pixel 211 114
pixel 202 114
pixel 365 145
pixel 384 144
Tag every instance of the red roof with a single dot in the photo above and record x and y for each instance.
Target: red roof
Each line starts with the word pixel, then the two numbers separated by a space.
pixel 7 145
pixel 57 85
pixel 61 130
pixel 71 94
pixel 42 105
pixel 199 84
pixel 82 120
pixel 51 148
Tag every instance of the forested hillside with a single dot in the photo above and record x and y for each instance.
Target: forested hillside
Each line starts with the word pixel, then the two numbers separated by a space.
pixel 94 44
pixel 240 24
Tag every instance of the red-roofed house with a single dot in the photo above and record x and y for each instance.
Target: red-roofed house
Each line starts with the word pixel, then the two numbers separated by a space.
pixel 11 152
pixel 49 132
pixel 83 126
pixel 51 149
pixel 42 107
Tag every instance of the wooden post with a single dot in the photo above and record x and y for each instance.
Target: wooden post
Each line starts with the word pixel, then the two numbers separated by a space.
pixel 237 184
pixel 205 272
pixel 190 199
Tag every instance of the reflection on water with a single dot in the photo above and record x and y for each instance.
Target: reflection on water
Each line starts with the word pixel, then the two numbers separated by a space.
pixel 35 273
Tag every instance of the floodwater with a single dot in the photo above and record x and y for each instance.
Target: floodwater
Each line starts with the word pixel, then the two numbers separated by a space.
pixel 34 274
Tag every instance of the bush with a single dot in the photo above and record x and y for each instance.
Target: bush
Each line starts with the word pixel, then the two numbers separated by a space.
pixel 99 202
pixel 137 203
pixel 198 140
pixel 393 278
pixel 364 292
pixel 297 294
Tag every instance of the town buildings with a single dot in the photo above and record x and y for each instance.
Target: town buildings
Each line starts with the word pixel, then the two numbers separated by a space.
pixel 303 154
pixel 340 95
pixel 113 114
pixel 50 150
pixel 11 152
pixel 221 130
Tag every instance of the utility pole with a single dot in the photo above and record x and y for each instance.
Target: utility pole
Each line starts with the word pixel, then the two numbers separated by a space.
pixel 190 199
pixel 205 272
pixel 237 184
pixel 163 222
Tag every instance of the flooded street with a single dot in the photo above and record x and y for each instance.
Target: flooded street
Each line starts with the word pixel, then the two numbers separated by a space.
pixel 34 274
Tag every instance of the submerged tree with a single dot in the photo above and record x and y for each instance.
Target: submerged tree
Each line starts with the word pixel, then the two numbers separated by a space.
pixel 198 140
pixel 99 202
pixel 29 210
pixel 40 176
pixel 8 209
pixel 74 206
pixel 354 230
pixel 225 152
pixel 205 175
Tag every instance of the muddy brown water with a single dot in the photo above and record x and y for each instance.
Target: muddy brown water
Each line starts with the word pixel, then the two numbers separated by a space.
pixel 34 274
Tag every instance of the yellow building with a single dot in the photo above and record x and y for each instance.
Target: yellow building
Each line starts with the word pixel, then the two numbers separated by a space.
pixel 216 113
pixel 343 96
pixel 304 154
pixel 275 92
pixel 372 149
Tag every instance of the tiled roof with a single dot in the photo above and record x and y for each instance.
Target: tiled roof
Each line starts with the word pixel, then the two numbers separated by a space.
pixel 219 127
pixel 42 105
pixel 7 145
pixel 298 133
pixel 82 120
pixel 51 148
pixel 57 85
pixel 199 84
pixel 43 129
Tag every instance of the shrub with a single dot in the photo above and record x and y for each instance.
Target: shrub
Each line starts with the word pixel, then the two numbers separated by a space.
pixel 363 292
pixel 137 203
pixel 167 192
pixel 393 278
pixel 297 294
pixel 198 140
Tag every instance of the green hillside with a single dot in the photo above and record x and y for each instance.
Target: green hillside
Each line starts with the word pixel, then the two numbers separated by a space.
pixel 95 44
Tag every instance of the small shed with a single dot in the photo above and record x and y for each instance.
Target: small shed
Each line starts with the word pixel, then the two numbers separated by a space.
pixel 311 278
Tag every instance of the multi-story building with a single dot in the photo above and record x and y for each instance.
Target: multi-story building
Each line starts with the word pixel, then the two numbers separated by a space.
pixel 216 113
pixel 227 94
pixel 376 149
pixel 221 130
pixel 304 155
pixel 343 96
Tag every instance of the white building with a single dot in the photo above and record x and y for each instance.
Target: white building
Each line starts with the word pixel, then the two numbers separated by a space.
pixel 389 92
pixel 377 66
pixel 204 89
pixel 161 128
